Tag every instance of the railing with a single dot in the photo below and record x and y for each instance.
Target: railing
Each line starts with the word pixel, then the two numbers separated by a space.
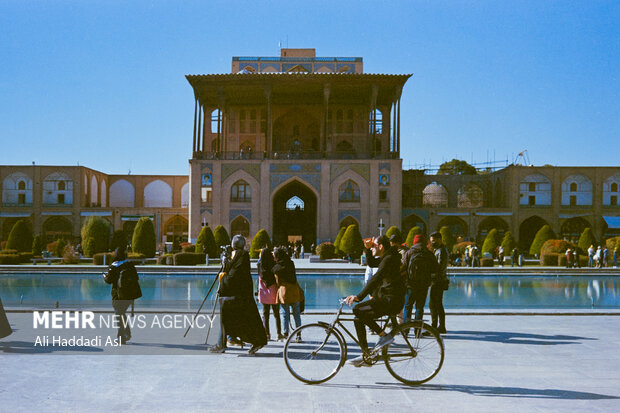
pixel 286 155
pixel 16 204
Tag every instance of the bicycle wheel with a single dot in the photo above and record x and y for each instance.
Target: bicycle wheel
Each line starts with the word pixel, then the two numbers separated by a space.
pixel 316 356
pixel 416 354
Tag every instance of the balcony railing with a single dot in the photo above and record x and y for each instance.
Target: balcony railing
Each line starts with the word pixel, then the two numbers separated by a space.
pixel 286 155
pixel 16 204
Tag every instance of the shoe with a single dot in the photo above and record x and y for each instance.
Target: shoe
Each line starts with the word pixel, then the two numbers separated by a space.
pixel 235 342
pixel 358 362
pixel 217 349
pixel 442 330
pixel 254 349
pixel 298 338
pixel 383 341
pixel 281 337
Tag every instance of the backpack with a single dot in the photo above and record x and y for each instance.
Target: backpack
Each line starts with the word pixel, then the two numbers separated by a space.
pixel 128 283
pixel 420 269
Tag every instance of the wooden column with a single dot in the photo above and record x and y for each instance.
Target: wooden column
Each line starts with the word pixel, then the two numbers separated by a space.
pixel 220 137
pixel 199 127
pixel 194 144
pixel 373 117
pixel 206 123
pixel 326 92
pixel 269 133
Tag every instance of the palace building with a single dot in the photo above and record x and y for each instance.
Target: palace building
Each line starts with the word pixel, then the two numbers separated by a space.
pixel 298 145
pixel 301 145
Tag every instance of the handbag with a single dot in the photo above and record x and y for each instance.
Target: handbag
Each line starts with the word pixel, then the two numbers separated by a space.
pixel 267 295
pixel 302 301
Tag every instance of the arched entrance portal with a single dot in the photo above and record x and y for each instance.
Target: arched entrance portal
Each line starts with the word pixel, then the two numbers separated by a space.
pixel 294 214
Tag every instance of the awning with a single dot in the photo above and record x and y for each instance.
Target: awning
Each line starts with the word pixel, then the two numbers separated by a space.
pixel 612 222
pixel 96 213
pixel 135 217
pixel 493 214
pixel 454 214
pixel 57 213
pixel 15 214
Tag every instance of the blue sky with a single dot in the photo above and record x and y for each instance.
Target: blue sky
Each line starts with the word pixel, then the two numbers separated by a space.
pixel 101 83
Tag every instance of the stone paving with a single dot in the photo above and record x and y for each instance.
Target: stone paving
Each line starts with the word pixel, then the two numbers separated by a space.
pixel 508 363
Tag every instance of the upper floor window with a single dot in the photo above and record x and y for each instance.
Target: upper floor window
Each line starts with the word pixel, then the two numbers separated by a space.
pixel 376 122
pixel 240 192
pixel 349 192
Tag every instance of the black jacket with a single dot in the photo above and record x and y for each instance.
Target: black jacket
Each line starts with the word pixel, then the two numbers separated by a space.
pixel 285 270
pixel 238 280
pixel 387 282
pixel 114 271
pixel 421 264
pixel 265 271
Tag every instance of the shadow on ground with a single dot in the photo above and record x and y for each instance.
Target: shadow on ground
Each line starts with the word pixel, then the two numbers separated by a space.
pixel 28 347
pixel 514 338
pixel 488 391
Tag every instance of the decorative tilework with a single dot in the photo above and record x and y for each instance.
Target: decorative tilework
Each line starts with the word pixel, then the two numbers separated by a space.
pixel 422 213
pixel 384 212
pixel 312 179
pixel 338 169
pixel 351 68
pixel 276 66
pixel 246 213
pixel 294 167
pixel 243 65
pixel 228 169
pixel 207 210
pixel 287 66
pixel 319 65
pixel 355 213
pixel 385 165
pixel 207 167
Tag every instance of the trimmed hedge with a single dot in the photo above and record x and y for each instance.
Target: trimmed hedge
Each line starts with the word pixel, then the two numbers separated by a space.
pixel 338 240
pixel 612 244
pixel 460 248
pixel 221 237
pixel 411 235
pixel 9 258
pixel 189 248
pixel 20 237
pixel 550 260
pixel 205 244
pixel 37 245
pixel 95 235
pixel 352 243
pixel 119 240
pixel 59 248
pixel 98 258
pixel 69 256
pixel 508 243
pixel 491 242
pixel 325 251
pixel 135 256
pixel 188 258
pixel 143 240
pixel 586 239
pixel 486 262
pixel 583 261
pixel 165 259
pixel 556 245
pixel 543 234
pixel 447 237
pixel 260 241
pixel 393 230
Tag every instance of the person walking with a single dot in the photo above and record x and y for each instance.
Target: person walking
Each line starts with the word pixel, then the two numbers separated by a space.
pixel 569 258
pixel 5 326
pixel 239 313
pixel 605 257
pixel 124 278
pixel 591 256
pixel 500 255
pixel 268 290
pixel 576 258
pixel 598 257
pixel 420 264
pixel 439 283
pixel 616 257
pixel 514 257
pixel 289 294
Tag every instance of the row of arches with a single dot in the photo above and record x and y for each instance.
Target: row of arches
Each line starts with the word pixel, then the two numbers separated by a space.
pixel 349 191
pixel 156 194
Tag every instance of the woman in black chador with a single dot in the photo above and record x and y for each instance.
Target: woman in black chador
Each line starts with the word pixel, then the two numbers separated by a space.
pixel 240 317
pixel 5 327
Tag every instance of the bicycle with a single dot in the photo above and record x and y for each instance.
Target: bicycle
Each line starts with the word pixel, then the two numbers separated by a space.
pixel 414 357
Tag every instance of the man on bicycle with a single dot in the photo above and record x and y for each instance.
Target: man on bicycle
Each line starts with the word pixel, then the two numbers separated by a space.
pixel 388 296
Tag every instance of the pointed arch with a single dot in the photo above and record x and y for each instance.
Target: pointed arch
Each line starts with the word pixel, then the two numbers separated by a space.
pixel 176 228
pixel 348 220
pixel 158 194
pixel 240 225
pixel 122 194
pixel 577 190
pixel 470 196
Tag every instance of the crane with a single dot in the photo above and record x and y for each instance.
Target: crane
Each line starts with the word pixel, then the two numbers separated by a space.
pixel 522 157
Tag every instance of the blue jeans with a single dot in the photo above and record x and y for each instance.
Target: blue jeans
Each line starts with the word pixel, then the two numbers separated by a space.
pixel 286 316
pixel 415 296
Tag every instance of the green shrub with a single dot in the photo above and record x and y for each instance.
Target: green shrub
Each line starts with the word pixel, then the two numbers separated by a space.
pixel 459 249
pixel 205 244
pixel 176 245
pixel 143 240
pixel 188 258
pixel 325 251
pixel 586 239
pixel 221 237
pixel 508 243
pixel 135 256
pixel 543 234
pixel 352 243
pixel 260 241
pixel 9 258
pixel 37 245
pixel 95 235
pixel 557 246
pixel 189 248
pixel 51 246
pixel 20 237
pixel 612 244
pixel 119 240
pixel 98 258
pixel 411 235
pixel 163 259
pixel 393 230
pixel 60 247
pixel 69 255
pixel 486 262
pixel 550 260
pixel 491 242
pixel 447 237
pixel 337 250
pixel 25 256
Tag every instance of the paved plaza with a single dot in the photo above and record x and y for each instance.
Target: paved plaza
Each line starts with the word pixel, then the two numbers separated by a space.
pixel 520 363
